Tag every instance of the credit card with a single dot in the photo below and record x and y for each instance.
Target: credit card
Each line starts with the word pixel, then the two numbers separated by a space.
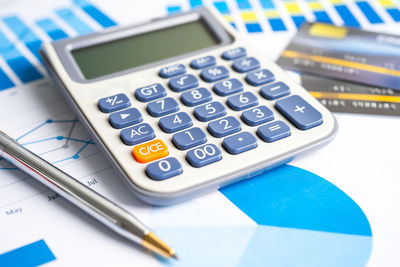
pixel 346 54
pixel 346 97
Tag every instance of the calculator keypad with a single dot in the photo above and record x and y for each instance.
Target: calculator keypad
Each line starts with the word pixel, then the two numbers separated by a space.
pixel 125 118
pixel 162 107
pixel 228 129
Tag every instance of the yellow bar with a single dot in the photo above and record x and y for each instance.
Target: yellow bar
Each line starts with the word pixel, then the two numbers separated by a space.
pixel 341 62
pixel 336 1
pixel 228 18
pixel 249 16
pixel 386 3
pixel 272 14
pixel 348 96
pixel 315 6
pixel 293 8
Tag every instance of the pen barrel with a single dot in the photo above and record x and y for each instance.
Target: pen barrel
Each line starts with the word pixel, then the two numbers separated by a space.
pixel 72 190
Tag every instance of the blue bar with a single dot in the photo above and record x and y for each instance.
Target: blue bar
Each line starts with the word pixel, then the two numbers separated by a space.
pixel 347 16
pixel 253 27
pixel 52 30
pixel 369 12
pixel 243 4
pixel 277 25
pixel 195 3
pixel 95 13
pixel 76 23
pixel 26 35
pixel 298 20
pixel 222 7
pixel 25 71
pixel 322 16
pixel 5 82
pixel 267 4
pixel 394 13
pixel 173 9
pixel 34 254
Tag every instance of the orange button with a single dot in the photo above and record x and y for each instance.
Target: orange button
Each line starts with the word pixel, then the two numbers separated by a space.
pixel 150 151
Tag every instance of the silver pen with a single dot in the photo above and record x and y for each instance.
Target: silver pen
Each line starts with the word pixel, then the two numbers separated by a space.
pixel 104 210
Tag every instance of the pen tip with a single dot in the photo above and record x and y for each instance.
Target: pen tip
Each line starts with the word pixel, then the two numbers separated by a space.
pixel 153 243
pixel 175 257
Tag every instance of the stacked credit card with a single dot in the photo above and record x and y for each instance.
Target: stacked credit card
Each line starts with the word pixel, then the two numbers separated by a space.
pixel 347 69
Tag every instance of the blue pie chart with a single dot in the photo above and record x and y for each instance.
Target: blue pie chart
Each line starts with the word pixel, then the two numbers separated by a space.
pixel 300 219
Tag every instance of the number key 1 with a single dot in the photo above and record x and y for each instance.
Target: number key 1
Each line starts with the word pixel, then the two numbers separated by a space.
pixel 189 138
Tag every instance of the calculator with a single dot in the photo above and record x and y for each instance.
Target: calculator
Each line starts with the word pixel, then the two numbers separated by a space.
pixel 183 105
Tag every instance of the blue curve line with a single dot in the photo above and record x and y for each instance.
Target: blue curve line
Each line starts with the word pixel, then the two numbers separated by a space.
pixel 75 156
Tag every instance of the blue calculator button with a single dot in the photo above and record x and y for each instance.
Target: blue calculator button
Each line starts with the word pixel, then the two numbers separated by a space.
pixel 137 134
pixel 175 122
pixel 245 64
pixel 150 92
pixel 274 90
pixel 173 70
pixel 125 118
pixel 228 87
pixel 234 53
pixel 209 111
pixel 164 169
pixel 239 143
pixel 257 116
pixel 162 107
pixel 183 83
pixel 214 74
pixel 204 155
pixel 242 101
pixel 273 131
pixel 196 97
pixel 203 62
pixel 259 77
pixel 114 103
pixel 224 127
pixel 299 112
pixel 190 138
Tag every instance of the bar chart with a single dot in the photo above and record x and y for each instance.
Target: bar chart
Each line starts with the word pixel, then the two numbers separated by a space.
pixel 19 49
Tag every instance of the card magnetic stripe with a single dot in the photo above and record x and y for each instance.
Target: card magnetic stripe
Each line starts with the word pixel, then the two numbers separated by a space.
pixel 273 15
pixel 249 17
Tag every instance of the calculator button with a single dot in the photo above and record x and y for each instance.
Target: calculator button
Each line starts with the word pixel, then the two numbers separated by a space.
pixel 150 92
pixel 114 103
pixel 196 97
pixel 274 90
pixel 125 118
pixel 234 53
pixel 162 107
pixel 273 131
pixel 189 138
pixel 209 111
pixel 257 116
pixel 214 74
pixel 137 134
pixel 228 87
pixel 239 143
pixel 203 62
pixel 150 151
pixel 175 122
pixel 245 64
pixel 242 101
pixel 183 83
pixel 173 70
pixel 164 169
pixel 224 127
pixel 204 155
pixel 299 112
pixel 259 77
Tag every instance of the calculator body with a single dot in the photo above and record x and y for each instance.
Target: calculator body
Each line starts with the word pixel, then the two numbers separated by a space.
pixel 92 92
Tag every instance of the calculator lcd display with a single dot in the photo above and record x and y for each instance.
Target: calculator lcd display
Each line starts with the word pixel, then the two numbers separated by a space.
pixel 115 56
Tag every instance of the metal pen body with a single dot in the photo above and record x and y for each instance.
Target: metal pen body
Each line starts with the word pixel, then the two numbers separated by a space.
pixel 74 191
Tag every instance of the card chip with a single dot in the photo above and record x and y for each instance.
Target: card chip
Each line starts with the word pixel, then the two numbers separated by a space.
pixel 328 31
